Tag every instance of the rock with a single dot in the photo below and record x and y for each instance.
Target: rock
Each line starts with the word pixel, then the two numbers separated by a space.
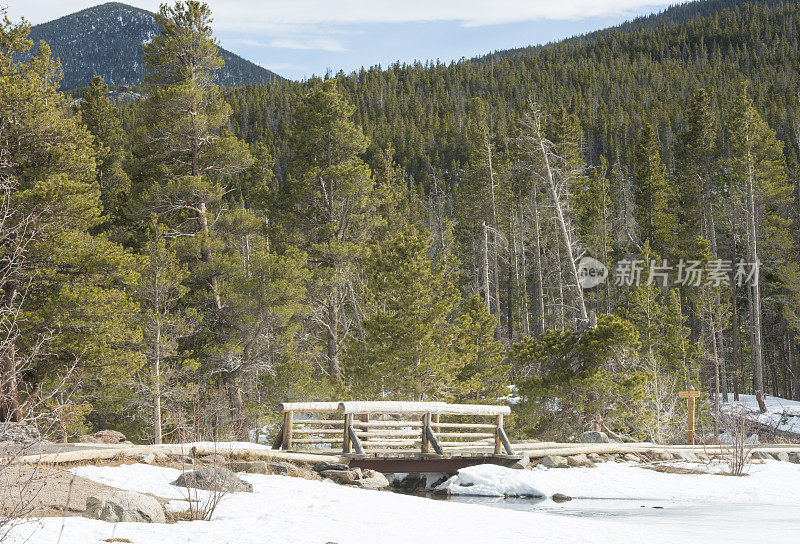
pixel 373 480
pixel 794 456
pixel 579 460
pixel 688 456
pixel 215 459
pixel 522 462
pixel 762 455
pixel 560 497
pixel 213 479
pixel 20 434
pixel 596 458
pixel 148 458
pixel 663 456
pixel 782 456
pixel 260 467
pixel 104 437
pixel 322 467
pixel 610 458
pixel 632 458
pixel 593 437
pixel 116 506
pixel 554 461
pixel 340 476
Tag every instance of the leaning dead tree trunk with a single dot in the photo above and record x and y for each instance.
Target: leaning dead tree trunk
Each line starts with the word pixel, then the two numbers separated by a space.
pixel 554 173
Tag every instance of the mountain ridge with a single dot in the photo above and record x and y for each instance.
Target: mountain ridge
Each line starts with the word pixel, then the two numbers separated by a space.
pixel 107 40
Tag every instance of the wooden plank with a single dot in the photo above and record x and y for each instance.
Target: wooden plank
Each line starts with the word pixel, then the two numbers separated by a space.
pixel 420 408
pixel 387 433
pixel 306 430
pixel 463 425
pixel 308 407
pixel 380 423
pixel 332 440
pixel 426 427
pixel 325 422
pixel 465 435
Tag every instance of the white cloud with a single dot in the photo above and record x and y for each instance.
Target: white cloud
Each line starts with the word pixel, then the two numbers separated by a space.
pixel 311 43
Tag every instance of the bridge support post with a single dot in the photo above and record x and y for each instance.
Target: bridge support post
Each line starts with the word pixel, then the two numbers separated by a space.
pixel 426 424
pixel 288 423
pixel 498 440
pixel 348 422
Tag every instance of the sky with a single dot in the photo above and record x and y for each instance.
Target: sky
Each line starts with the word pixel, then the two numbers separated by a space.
pixel 301 38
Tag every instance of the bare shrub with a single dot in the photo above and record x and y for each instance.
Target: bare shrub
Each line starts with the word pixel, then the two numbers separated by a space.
pixel 737 440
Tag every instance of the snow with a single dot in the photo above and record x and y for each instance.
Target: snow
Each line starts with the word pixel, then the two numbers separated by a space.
pixel 761 507
pixel 764 483
pixel 782 414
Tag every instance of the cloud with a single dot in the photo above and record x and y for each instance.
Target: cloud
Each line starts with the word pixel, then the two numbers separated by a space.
pixel 309 43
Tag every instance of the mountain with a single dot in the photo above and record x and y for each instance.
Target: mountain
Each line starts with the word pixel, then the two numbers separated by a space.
pixel 674 15
pixel 106 40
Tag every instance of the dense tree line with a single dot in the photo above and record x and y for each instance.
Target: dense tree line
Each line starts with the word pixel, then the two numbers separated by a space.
pixel 185 262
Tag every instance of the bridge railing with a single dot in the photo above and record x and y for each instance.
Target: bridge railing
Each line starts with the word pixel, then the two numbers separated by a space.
pixel 370 427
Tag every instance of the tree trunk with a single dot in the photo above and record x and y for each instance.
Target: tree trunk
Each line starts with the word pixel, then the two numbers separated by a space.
pixel 333 334
pixel 157 436
pixel 10 408
pixel 539 292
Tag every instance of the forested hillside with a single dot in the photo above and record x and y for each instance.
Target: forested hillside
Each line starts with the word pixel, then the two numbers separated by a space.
pixel 106 41
pixel 414 232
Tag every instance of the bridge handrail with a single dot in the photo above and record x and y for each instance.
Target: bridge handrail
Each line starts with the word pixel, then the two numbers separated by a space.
pixel 309 407
pixel 421 408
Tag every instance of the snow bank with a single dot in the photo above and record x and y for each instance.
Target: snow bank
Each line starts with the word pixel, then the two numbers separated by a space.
pixel 770 482
pixel 285 510
pixel 781 415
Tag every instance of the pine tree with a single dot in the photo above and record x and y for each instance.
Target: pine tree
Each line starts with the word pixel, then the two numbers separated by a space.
pixel 653 195
pixel 74 283
pixel 102 119
pixel 332 204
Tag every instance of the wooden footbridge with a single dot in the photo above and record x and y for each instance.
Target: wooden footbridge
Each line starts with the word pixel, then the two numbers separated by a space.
pixel 392 436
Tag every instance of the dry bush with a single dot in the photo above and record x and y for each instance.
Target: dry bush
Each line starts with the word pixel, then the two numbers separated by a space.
pixel 737 440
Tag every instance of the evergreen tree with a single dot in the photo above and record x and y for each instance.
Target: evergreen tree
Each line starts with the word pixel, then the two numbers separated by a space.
pixel 653 195
pixel 332 203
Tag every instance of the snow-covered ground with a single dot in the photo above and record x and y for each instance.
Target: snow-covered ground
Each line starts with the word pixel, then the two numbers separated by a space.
pixel 782 414
pixel 764 506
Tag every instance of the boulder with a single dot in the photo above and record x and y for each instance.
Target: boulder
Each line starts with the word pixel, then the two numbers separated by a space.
pixel 554 461
pixel 688 456
pixel 632 458
pixel 579 460
pixel 596 458
pixel 148 458
pixel 372 480
pixel 260 467
pixel 522 462
pixel 341 476
pixel 593 437
pixel 215 459
pixel 116 506
pixel 560 497
pixel 104 437
pixel 782 456
pixel 19 433
pixel 213 479
pixel 762 455
pixel 322 467
pixel 663 456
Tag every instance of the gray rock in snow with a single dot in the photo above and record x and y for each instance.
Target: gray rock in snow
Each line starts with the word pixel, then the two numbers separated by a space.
pixel 213 479
pixel 116 506
pixel 554 461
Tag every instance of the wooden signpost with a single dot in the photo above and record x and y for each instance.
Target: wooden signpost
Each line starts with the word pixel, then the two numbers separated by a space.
pixel 690 396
